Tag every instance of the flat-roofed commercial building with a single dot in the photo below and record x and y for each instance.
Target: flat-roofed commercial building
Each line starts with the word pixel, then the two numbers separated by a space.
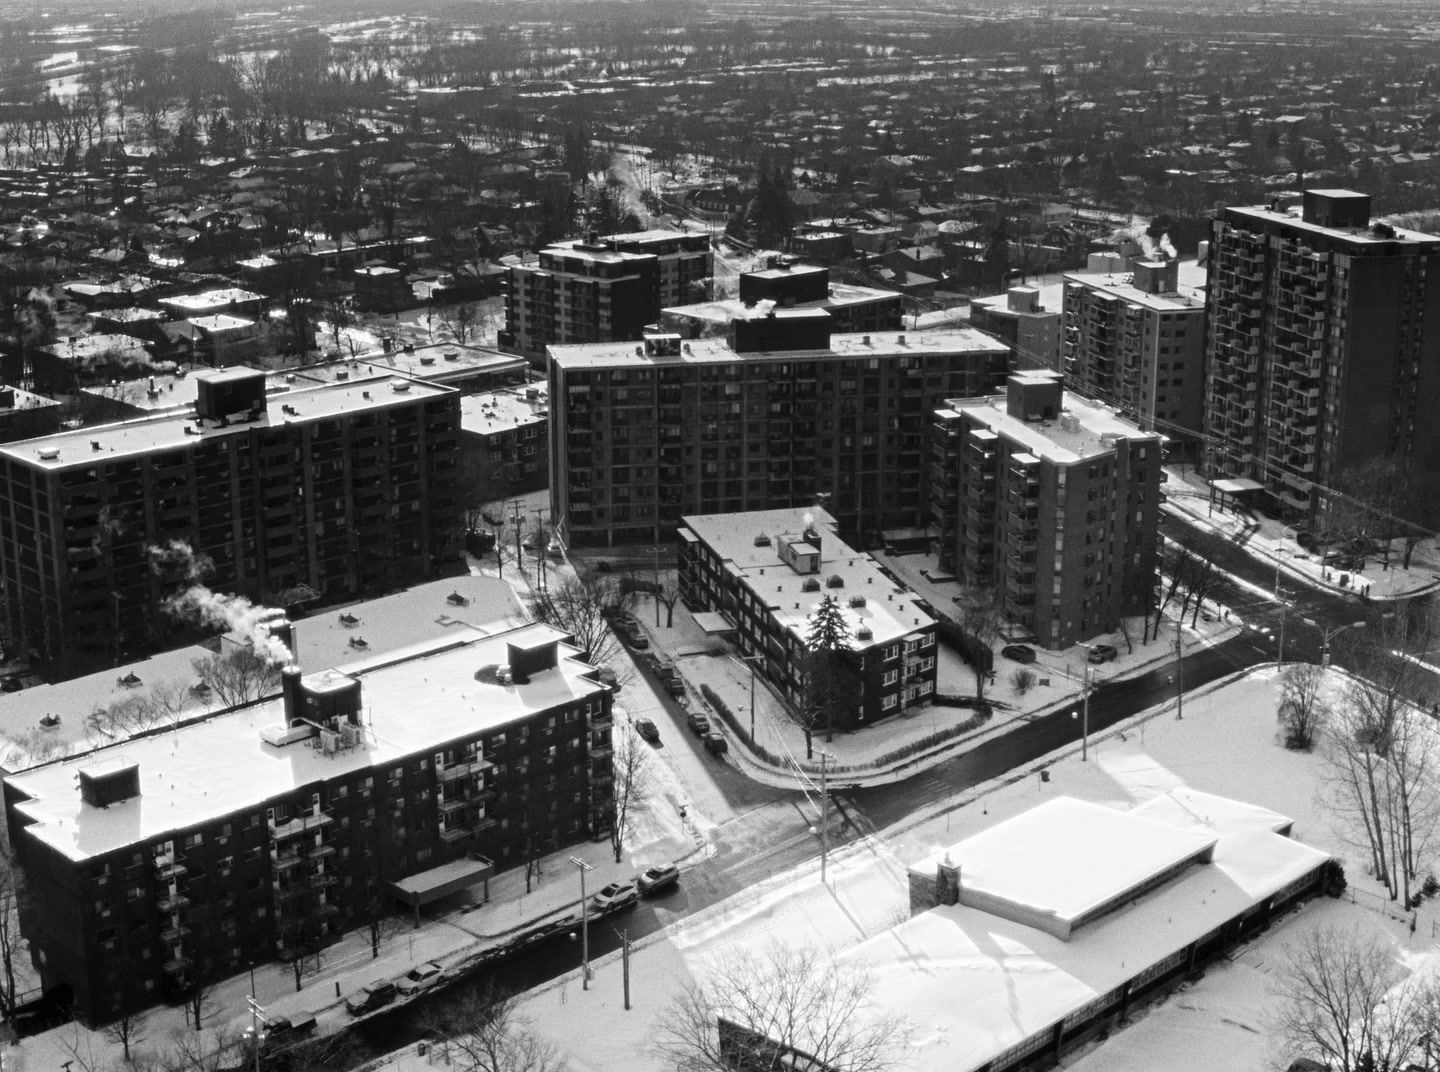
pixel 766 571
pixel 178 857
pixel 779 413
pixel 1050 500
pixel 1039 934
pixel 345 488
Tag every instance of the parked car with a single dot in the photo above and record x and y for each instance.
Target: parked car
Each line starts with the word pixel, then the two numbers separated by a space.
pixel 675 688
pixel 372 995
pixel 699 724
pixel 615 896
pixel 1102 653
pixel 655 879
pixel 421 977
pixel 716 744
pixel 281 1030
pixel 1020 653
pixel 637 640
pixel 648 730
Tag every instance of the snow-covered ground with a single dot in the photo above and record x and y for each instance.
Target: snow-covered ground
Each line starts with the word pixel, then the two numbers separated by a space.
pixel 1226 744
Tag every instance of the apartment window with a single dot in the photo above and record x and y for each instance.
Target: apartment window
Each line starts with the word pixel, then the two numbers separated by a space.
pixel 892 652
pixel 891 676
pixel 889 702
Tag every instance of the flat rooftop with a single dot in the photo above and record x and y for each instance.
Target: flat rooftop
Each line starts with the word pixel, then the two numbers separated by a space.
pixel 974 984
pixel 219 298
pixel 717 351
pixel 725 310
pixel 1054 440
pixel 215 767
pixel 889 611
pixel 500 411
pixel 167 430
pixel 1101 852
pixel 1188 295
pixel 335 637
pixel 1358 235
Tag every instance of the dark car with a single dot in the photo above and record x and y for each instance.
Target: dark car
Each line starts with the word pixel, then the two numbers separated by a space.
pixel 371 996
pixel 1018 652
pixel 698 723
pixel 655 879
pixel 1102 653
pixel 716 744
pixel 648 730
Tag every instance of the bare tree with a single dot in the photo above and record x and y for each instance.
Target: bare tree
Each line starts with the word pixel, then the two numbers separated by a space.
pixel 979 617
pixel 462 322
pixel 483 1032
pixel 1303 707
pixel 782 1004
pixel 632 783
pixel 668 593
pixel 126 1031
pixel 12 890
pixel 1346 1001
pixel 580 606
pixel 237 677
pixel 1383 756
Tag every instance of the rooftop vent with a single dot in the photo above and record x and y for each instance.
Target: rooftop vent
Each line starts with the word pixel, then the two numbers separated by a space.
pixel 451 355
pixel 810 585
pixel 864 633
pixel 835 581
pixel 762 540
pixel 48 454
pixel 857 601
pixel 399 386
pixel 427 359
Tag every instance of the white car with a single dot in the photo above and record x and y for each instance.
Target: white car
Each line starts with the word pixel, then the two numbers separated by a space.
pixel 615 896
pixel 421 977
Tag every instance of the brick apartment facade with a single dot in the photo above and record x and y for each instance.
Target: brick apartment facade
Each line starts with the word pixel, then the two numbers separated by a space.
pixel 1053 503
pixel 345 488
pixel 1137 343
pixel 601 289
pixel 765 572
pixel 784 410
pixel 179 857
pixel 1323 350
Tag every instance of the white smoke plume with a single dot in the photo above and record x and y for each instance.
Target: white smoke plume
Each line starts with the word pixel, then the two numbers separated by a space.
pixel 199 604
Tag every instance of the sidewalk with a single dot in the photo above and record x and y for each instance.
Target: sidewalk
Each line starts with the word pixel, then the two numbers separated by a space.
pixel 1274 541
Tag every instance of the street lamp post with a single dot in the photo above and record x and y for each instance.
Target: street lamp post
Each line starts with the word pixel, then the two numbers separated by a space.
pixel 255 1033
pixel 824 814
pixel 1327 635
pixel 584 925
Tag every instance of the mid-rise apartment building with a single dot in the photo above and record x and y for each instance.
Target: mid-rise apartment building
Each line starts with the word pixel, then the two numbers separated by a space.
pixel 178 857
pixel 1021 319
pixel 344 488
pixel 601 289
pixel 781 412
pixel 1323 350
pixel 766 572
pixel 1051 501
pixel 1136 341
pixel 788 284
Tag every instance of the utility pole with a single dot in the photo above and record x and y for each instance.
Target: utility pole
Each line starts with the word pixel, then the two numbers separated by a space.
pixel 1085 719
pixel 625 963
pixel 824 815
pixel 1280 651
pixel 519 561
pixel 584 925
pixel 540 513
pixel 1179 675
pixel 257 1020
pixel 655 575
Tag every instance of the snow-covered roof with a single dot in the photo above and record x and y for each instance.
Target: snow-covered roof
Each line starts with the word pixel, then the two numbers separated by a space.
pixel 209 769
pixel 1066 860
pixel 973 984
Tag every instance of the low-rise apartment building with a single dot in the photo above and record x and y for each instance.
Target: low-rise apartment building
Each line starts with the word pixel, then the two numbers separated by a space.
pixel 178 857
pixel 779 413
pixel 765 573
pixel 1051 502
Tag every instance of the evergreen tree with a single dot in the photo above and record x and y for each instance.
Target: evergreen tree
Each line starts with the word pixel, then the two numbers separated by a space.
pixel 830 681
